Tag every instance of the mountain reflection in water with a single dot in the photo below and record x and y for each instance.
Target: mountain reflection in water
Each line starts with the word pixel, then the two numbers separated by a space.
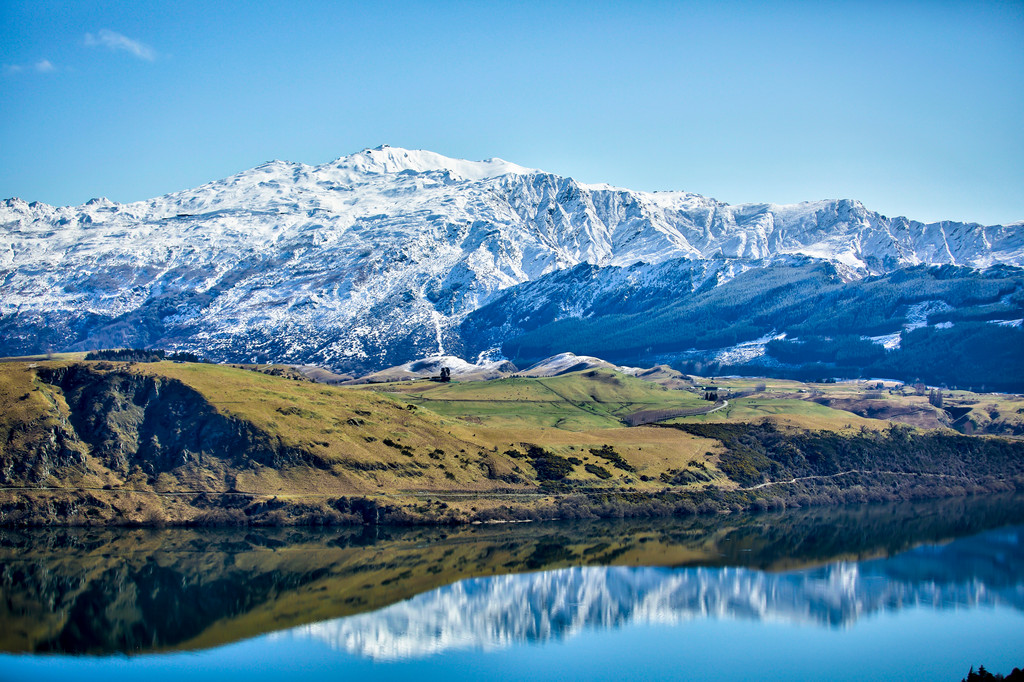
pixel 396 593
pixel 489 613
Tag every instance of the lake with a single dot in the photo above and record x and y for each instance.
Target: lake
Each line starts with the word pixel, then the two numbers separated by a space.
pixel 909 591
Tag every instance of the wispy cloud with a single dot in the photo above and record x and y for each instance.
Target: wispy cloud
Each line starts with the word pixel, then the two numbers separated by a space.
pixel 112 40
pixel 42 66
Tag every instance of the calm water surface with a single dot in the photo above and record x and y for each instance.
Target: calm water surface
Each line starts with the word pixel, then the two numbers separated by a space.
pixel 918 591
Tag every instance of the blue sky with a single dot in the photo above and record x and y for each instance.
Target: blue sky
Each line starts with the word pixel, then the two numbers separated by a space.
pixel 915 108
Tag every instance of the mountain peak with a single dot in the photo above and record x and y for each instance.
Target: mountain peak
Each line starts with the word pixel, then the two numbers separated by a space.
pixel 99 202
pixel 388 159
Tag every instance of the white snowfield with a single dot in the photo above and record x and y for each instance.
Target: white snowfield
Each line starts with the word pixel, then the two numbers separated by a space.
pixel 378 256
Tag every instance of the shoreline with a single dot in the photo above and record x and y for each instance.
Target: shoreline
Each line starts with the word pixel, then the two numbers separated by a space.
pixel 43 507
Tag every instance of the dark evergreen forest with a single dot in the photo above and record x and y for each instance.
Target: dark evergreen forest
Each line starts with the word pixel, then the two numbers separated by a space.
pixel 947 318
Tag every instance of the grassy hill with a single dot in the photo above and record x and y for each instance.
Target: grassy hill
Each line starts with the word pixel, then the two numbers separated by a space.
pixel 801 404
pixel 171 442
pixel 580 401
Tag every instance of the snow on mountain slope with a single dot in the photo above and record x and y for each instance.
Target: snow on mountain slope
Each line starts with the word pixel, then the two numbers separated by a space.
pixel 563 363
pixel 386 159
pixel 431 367
pixel 374 259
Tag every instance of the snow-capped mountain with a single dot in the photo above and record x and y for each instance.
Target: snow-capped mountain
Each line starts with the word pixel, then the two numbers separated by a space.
pixel 375 259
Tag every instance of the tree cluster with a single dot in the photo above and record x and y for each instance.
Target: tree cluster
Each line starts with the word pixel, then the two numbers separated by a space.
pixel 830 318
pixel 140 355
pixel 982 675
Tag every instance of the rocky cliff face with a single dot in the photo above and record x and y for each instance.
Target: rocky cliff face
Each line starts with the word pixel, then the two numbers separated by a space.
pixel 40 445
pixel 121 423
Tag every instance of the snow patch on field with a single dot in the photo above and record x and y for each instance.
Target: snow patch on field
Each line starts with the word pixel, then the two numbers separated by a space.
pixel 747 352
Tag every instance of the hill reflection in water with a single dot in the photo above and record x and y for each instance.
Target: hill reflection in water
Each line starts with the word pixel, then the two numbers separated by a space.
pixel 392 593
pixel 489 613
